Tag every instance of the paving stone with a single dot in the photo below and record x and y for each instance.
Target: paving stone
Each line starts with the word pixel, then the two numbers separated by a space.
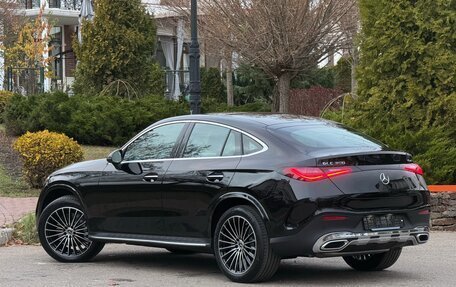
pixel 12 209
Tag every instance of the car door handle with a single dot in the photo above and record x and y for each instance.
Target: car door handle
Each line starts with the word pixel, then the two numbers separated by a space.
pixel 150 177
pixel 215 177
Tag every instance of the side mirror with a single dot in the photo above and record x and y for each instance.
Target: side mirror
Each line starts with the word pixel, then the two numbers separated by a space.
pixel 115 157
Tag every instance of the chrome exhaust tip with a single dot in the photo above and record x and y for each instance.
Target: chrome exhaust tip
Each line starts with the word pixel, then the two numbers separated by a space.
pixel 334 245
pixel 422 237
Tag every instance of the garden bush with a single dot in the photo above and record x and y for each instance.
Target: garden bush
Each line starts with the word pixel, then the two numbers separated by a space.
pixel 5 97
pixel 342 75
pixel 251 84
pixel 113 121
pixel 213 106
pixel 212 85
pixel 17 112
pixel 37 112
pixel 44 152
pixel 97 120
pixel 101 120
pixel 310 102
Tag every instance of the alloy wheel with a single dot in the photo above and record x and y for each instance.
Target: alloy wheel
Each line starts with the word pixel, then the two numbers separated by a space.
pixel 237 244
pixel 66 232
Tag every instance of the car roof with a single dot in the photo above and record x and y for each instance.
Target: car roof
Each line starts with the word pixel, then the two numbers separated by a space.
pixel 251 119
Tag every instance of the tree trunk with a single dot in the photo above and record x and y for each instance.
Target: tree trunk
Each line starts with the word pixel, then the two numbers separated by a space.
pixel 229 80
pixel 284 91
pixel 275 99
pixel 354 65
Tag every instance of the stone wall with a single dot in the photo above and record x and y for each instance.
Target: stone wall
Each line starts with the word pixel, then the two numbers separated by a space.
pixel 443 211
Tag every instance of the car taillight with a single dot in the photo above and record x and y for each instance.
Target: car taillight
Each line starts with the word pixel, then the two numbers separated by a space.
pixel 413 167
pixel 314 173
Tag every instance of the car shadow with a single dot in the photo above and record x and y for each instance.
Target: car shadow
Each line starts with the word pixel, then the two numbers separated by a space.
pixel 191 265
pixel 315 272
pixel 291 272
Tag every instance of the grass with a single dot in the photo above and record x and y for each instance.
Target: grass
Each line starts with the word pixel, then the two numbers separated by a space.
pixel 15 187
pixel 96 152
pixel 12 184
pixel 25 230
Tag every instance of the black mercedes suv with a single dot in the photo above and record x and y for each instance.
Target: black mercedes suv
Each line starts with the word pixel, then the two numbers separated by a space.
pixel 249 188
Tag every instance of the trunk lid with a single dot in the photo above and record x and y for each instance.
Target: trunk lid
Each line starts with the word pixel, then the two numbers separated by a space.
pixel 378 180
pixel 379 171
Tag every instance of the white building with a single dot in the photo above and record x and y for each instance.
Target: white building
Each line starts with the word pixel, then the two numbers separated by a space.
pixel 172 47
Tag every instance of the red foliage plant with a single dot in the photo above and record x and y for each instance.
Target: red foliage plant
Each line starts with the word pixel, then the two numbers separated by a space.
pixel 310 102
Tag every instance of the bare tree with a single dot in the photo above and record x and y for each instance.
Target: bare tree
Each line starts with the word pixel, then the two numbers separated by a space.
pixel 10 20
pixel 350 26
pixel 282 37
pixel 10 23
pixel 212 45
pixel 229 77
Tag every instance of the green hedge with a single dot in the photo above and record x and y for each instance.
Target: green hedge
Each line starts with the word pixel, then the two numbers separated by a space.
pixel 89 120
pixel 433 147
pixel 100 120
pixel 5 97
pixel 406 82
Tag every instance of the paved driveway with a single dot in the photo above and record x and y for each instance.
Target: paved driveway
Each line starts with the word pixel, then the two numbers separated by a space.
pixel 433 264
pixel 12 209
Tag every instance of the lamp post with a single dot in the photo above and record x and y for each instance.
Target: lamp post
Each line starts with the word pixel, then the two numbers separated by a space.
pixel 194 53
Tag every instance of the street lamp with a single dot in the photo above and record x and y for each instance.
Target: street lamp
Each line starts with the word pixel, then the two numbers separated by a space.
pixel 194 53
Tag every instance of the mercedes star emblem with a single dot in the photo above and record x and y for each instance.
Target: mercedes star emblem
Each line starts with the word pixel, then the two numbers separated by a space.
pixel 384 179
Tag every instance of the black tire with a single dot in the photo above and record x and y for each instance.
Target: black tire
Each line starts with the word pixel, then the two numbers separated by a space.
pixel 252 252
pixel 62 230
pixel 373 262
pixel 180 251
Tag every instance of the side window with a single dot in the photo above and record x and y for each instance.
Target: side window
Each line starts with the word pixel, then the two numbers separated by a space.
pixel 206 140
pixel 155 144
pixel 249 145
pixel 233 144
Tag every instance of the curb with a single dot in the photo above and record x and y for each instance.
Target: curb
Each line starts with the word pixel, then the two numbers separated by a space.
pixel 5 235
pixel 442 188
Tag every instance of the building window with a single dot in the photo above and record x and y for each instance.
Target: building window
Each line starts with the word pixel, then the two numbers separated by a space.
pixel 56 52
pixel 31 4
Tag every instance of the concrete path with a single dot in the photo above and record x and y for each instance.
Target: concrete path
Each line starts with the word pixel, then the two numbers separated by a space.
pixel 431 264
pixel 12 208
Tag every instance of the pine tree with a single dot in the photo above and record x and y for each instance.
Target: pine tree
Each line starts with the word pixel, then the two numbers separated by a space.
pixel 118 46
pixel 407 82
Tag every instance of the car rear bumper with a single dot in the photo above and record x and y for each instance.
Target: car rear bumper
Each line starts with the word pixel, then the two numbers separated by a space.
pixel 345 243
pixel 320 238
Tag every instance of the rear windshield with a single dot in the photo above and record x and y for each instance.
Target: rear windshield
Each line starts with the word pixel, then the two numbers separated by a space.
pixel 326 136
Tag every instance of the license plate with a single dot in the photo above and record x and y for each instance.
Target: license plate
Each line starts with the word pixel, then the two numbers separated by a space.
pixel 383 222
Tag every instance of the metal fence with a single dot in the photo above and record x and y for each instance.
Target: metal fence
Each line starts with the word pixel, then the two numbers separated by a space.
pixel 31 4
pixel 25 81
pixel 60 4
pixel 184 81
pixel 66 4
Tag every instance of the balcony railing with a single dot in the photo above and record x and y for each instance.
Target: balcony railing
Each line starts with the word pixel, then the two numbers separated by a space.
pixel 65 4
pixel 59 4
pixel 31 4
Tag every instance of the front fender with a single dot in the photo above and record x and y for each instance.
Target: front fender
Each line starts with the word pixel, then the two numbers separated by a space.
pixel 53 191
